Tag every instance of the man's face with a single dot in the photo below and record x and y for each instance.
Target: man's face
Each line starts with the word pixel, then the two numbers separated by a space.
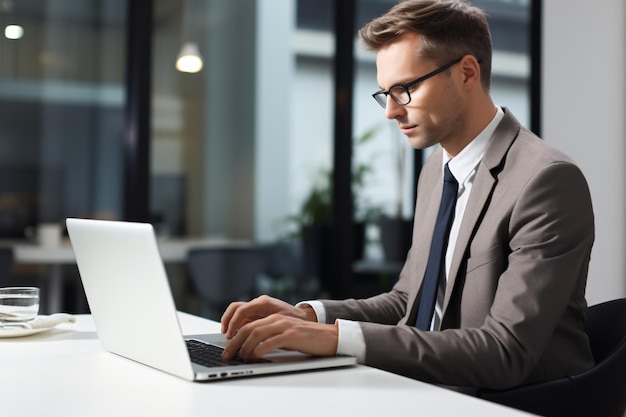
pixel 434 114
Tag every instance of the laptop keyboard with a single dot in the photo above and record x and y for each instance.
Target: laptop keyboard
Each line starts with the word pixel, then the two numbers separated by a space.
pixel 209 355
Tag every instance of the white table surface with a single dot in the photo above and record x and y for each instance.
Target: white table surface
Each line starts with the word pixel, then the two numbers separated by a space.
pixel 65 372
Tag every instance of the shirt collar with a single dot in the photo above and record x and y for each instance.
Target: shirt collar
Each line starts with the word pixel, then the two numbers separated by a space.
pixel 466 161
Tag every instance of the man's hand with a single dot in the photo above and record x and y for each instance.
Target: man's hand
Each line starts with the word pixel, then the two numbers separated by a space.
pixel 240 313
pixel 265 324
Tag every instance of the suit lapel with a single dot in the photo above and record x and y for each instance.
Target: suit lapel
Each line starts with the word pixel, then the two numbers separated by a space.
pixel 482 188
pixel 479 197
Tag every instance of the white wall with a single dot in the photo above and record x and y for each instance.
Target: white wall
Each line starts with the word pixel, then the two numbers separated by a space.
pixel 584 108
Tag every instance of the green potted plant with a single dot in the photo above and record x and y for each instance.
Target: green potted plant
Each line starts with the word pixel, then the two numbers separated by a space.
pixel 312 222
pixel 316 207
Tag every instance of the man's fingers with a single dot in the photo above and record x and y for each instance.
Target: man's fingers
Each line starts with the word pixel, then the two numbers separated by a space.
pixel 259 333
pixel 252 335
pixel 228 315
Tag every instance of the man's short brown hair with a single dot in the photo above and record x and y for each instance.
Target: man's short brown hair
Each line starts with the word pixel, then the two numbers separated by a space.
pixel 449 29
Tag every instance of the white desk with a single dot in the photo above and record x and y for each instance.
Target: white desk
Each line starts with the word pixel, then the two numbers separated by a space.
pixel 172 250
pixel 65 372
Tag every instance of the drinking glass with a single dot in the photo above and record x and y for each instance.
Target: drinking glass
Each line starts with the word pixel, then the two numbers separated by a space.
pixel 18 304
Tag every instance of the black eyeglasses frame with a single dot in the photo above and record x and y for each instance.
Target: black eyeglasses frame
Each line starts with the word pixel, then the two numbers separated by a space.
pixel 381 95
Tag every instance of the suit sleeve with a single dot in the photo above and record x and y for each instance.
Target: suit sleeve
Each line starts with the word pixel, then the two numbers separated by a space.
pixel 387 308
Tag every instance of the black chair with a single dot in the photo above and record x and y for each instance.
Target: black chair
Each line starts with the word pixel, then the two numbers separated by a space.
pixel 6 264
pixel 223 275
pixel 600 391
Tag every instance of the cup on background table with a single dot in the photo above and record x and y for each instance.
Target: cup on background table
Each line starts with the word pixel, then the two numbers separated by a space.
pixel 45 234
pixel 18 304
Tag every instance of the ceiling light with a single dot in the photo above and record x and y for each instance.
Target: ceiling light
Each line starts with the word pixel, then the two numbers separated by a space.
pixel 13 32
pixel 189 59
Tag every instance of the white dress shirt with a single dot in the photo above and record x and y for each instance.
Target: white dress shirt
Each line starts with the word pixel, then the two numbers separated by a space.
pixel 463 167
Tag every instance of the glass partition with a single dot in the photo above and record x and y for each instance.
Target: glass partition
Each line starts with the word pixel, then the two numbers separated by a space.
pixel 61 111
pixel 239 146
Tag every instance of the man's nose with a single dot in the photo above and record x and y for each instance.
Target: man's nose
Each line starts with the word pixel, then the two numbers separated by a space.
pixel 393 109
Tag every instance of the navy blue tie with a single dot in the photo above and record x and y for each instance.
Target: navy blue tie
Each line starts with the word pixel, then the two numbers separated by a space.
pixel 434 267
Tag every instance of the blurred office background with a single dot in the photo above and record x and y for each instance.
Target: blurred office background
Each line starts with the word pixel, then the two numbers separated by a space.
pixel 97 121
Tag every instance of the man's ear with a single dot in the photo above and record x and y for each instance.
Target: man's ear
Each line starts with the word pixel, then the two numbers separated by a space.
pixel 470 69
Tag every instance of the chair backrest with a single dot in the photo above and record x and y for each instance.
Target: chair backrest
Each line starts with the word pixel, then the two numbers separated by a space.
pixel 283 259
pixel 606 328
pixel 223 275
pixel 6 263
pixel 600 391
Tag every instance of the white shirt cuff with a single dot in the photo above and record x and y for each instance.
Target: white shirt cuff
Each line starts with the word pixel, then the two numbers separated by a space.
pixel 318 307
pixel 351 340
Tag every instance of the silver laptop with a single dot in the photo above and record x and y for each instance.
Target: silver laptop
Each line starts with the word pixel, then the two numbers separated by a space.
pixel 134 312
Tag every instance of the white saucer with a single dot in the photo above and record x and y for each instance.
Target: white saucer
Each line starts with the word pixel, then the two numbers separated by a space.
pixel 17 332
pixel 39 324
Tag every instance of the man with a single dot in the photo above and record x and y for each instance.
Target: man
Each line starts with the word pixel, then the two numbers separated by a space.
pixel 510 287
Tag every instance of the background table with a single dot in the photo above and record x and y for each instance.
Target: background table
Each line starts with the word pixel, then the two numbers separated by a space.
pixel 65 372
pixel 173 250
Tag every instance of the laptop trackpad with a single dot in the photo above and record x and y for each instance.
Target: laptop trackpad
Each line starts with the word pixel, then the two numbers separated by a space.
pixel 217 339
pixel 220 340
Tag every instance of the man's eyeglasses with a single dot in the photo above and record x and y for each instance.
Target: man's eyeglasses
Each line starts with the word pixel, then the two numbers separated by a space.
pixel 400 92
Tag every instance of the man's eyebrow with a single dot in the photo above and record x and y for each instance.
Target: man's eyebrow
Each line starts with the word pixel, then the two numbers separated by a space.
pixel 397 83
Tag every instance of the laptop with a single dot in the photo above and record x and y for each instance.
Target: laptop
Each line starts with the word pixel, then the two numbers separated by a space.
pixel 134 312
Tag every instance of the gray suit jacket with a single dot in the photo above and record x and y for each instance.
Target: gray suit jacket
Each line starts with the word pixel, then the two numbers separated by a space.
pixel 515 299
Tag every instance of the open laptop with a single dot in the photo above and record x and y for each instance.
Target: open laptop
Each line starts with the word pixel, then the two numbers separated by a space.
pixel 134 312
